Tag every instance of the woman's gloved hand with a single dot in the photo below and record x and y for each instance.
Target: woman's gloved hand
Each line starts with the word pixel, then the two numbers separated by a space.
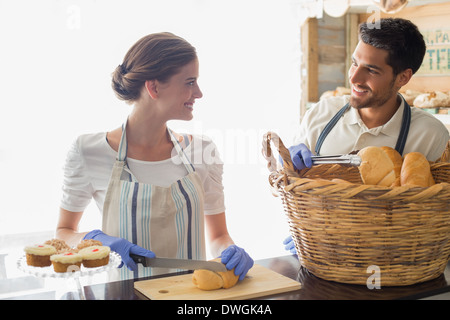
pixel 235 257
pixel 289 245
pixel 121 246
pixel 301 156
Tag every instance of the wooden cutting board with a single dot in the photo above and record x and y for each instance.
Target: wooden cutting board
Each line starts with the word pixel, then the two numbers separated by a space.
pixel 259 282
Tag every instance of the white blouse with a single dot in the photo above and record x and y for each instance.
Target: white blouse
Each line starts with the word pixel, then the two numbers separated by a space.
pixel 90 160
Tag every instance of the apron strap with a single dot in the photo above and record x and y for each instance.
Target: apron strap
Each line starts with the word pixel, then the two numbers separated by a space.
pixel 406 122
pixel 330 125
pixel 123 145
pixel 186 140
pixel 123 148
pixel 122 155
pixel 403 134
pixel 189 167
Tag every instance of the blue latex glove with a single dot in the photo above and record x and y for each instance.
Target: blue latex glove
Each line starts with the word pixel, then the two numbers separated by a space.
pixel 289 245
pixel 122 247
pixel 301 156
pixel 235 257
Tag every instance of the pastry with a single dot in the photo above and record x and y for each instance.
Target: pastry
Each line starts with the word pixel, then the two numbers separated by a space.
pixel 432 100
pixel 95 256
pixel 397 160
pixel 416 171
pixel 376 167
pixel 410 96
pixel 39 255
pixel 66 262
pixel 60 245
pixel 210 280
pixel 88 243
pixel 339 91
pixel 207 280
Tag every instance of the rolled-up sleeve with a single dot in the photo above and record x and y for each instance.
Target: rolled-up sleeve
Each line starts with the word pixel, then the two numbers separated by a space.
pixel 213 185
pixel 77 189
pixel 214 195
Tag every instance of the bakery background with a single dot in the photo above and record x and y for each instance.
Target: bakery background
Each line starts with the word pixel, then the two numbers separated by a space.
pixel 262 63
pixel 329 37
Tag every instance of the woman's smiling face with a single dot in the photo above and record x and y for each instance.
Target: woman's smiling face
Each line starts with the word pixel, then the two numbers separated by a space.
pixel 178 95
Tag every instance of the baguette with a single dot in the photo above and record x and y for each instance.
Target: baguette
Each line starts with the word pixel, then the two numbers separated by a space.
pixel 416 171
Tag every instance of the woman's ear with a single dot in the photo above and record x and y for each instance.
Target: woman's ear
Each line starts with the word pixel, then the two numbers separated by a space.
pixel 151 88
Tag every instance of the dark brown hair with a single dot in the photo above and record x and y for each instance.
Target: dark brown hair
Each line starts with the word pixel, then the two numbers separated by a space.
pixel 401 38
pixel 157 56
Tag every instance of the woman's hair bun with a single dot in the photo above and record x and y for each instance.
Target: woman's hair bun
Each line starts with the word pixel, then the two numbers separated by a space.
pixel 121 86
pixel 157 56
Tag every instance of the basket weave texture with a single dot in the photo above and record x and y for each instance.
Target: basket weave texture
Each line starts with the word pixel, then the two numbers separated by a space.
pixel 345 230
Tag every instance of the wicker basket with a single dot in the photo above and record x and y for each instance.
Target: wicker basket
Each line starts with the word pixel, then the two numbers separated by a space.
pixel 340 229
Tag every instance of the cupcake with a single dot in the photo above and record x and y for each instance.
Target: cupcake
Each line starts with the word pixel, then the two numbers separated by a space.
pixel 95 256
pixel 66 262
pixel 39 255
pixel 88 243
pixel 60 245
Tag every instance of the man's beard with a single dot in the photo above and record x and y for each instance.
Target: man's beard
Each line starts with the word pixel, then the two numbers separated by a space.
pixel 373 101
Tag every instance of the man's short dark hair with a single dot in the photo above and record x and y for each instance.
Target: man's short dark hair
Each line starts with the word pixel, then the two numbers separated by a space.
pixel 401 38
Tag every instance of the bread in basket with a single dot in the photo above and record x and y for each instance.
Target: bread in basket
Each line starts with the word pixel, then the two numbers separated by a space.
pixel 344 229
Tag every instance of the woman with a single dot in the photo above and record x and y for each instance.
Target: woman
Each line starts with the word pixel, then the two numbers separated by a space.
pixel 155 200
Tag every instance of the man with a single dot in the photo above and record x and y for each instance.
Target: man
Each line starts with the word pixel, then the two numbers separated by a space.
pixel 375 114
pixel 384 61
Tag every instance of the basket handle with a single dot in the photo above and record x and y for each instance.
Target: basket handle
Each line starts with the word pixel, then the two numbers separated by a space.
pixel 282 150
pixel 445 157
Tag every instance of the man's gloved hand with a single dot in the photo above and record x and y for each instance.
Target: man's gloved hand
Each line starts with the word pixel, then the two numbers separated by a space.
pixel 235 257
pixel 301 156
pixel 289 245
pixel 121 246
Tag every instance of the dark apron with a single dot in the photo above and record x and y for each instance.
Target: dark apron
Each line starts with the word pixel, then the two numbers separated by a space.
pixel 401 141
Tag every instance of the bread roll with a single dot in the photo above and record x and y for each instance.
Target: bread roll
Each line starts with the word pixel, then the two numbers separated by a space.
pixel 388 180
pixel 397 160
pixel 410 96
pixel 431 180
pixel 340 91
pixel 376 167
pixel 210 280
pixel 207 279
pixel 432 100
pixel 416 171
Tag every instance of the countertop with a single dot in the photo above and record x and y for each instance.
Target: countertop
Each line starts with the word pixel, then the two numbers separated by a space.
pixel 313 288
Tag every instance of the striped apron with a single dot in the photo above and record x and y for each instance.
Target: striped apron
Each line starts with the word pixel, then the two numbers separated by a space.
pixel 166 220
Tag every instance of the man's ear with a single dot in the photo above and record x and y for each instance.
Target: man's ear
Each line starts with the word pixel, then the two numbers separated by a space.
pixel 151 88
pixel 404 77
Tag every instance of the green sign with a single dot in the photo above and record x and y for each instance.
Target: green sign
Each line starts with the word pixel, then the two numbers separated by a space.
pixel 437 57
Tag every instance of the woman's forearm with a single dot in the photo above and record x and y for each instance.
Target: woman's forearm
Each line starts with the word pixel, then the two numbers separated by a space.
pixel 67 228
pixel 219 244
pixel 218 236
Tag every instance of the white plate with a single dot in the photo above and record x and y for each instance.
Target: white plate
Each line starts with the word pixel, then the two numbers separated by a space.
pixel 48 272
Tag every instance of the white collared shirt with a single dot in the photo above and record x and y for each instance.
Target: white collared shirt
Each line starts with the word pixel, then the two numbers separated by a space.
pixel 426 133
